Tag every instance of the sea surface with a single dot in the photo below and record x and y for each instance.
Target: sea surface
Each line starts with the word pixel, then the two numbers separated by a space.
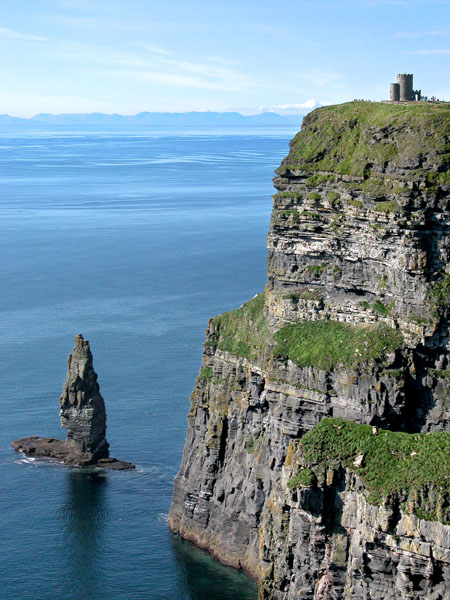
pixel 134 240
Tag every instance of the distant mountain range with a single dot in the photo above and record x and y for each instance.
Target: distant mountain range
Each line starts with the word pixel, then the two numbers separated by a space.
pixel 149 119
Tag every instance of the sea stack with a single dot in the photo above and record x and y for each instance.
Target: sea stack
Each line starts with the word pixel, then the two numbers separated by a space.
pixel 83 414
pixel 82 406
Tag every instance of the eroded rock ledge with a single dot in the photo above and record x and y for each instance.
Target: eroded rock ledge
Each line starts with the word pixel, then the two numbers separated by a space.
pixel 351 332
pixel 82 410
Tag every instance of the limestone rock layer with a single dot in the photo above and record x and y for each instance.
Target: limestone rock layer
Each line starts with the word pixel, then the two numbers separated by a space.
pixel 348 341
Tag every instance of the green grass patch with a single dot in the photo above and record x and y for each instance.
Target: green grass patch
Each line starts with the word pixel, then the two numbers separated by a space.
pixel 286 195
pixel 304 478
pixel 356 203
pixel 242 332
pixel 440 296
pixel 316 270
pixel 389 206
pixel 333 198
pixel 206 373
pixel 434 178
pixel 327 344
pixel 286 214
pixel 378 307
pixel 404 465
pixel 295 297
pixel 314 196
pixel 381 308
pixel 311 215
pixel 394 373
pixel 439 373
pixel 319 179
pixel 250 445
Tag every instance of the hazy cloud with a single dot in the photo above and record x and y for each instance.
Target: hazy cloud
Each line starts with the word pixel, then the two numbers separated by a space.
pixel 153 48
pixel 148 62
pixel 418 34
pixel 17 35
pixel 293 107
pixel 445 51
pixel 285 109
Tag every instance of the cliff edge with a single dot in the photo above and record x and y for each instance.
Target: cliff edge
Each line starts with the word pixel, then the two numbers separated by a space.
pixel 318 448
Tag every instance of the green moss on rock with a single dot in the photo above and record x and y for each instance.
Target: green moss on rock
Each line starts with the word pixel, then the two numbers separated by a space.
pixel 304 478
pixel 393 464
pixel 440 295
pixel 387 207
pixel 206 373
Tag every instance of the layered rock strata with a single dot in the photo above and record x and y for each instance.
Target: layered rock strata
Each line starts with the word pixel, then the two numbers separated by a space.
pixel 83 414
pixel 353 325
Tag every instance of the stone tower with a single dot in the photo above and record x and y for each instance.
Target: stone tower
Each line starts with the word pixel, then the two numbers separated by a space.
pixel 82 406
pixel 395 92
pixel 405 81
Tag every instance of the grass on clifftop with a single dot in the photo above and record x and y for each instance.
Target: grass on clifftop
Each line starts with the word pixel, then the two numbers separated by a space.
pixel 414 467
pixel 242 332
pixel 350 138
pixel 326 344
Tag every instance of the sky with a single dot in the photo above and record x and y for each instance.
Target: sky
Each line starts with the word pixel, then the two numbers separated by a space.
pixel 250 56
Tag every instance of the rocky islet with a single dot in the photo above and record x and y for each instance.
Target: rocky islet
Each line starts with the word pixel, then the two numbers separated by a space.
pixel 318 453
pixel 83 414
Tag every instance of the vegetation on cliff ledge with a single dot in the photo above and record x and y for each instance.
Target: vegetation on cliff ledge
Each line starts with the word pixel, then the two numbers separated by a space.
pixel 351 138
pixel 440 295
pixel 323 344
pixel 326 344
pixel 242 332
pixel 413 468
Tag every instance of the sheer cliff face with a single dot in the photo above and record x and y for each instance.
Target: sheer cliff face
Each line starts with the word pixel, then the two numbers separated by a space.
pixel 360 225
pixel 352 325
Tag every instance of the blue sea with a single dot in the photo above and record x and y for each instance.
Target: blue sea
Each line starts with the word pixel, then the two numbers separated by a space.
pixel 134 240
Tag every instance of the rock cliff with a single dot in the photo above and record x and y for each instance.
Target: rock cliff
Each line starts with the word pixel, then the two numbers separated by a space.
pixel 317 453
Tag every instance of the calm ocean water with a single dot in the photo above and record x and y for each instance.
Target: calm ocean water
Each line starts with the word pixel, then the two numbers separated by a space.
pixel 134 240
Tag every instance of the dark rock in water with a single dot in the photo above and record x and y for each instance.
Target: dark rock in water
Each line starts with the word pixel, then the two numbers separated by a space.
pixel 82 406
pixel 113 464
pixel 82 414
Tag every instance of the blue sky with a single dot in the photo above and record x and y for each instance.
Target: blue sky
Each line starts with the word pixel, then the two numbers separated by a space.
pixel 128 56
